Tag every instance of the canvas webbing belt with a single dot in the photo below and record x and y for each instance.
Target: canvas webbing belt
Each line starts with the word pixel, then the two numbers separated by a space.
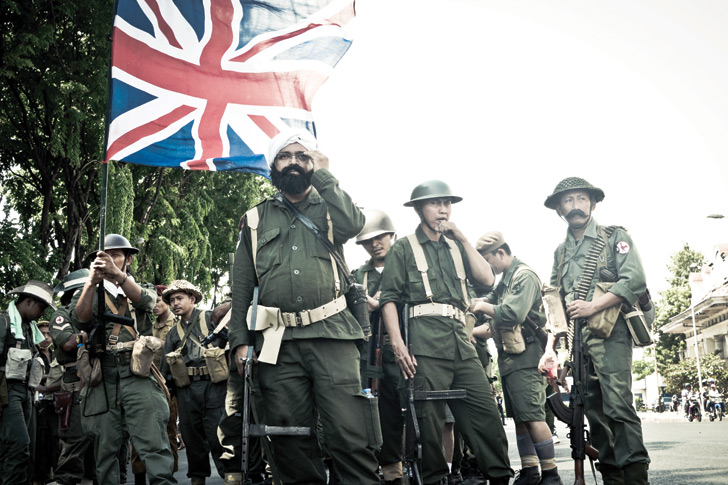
pixel 422 267
pixel 184 334
pixel 438 310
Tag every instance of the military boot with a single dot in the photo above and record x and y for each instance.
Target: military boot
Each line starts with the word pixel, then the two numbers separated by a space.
pixel 550 477
pixel 197 480
pixel 233 479
pixel 611 475
pixel 636 474
pixel 528 476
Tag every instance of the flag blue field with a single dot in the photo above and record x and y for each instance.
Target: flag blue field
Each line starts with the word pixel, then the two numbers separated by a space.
pixel 205 84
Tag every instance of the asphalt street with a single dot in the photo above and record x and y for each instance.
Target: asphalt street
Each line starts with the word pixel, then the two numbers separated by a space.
pixel 682 452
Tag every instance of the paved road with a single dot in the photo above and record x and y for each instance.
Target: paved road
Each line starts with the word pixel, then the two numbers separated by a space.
pixel 682 452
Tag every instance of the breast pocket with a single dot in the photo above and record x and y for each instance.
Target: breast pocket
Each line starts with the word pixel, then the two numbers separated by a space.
pixel 268 254
pixel 417 285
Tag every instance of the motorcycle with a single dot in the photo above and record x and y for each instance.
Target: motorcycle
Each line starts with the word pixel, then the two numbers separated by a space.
pixel 694 410
pixel 716 408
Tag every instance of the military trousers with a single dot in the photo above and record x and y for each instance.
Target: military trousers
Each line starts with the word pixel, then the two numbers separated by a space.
pixel 138 405
pixel 320 376
pixel 390 410
pixel 76 460
pixel 616 430
pixel 200 408
pixel 476 416
pixel 230 430
pixel 14 437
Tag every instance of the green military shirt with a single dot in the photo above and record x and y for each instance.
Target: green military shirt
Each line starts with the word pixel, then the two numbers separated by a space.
pixel 374 277
pixel 294 271
pixel 619 255
pixel 513 299
pixel 430 336
pixel 193 353
pixel 143 310
pixel 61 330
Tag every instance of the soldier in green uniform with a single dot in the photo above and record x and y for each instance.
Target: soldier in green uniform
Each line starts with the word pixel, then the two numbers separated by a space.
pixel 20 375
pixel 308 361
pixel 201 401
pixel 514 306
pixel 616 430
pixel 76 446
pixel 376 238
pixel 122 400
pixel 443 356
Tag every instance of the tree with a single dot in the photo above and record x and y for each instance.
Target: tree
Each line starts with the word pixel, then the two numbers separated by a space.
pixel 686 371
pixel 673 301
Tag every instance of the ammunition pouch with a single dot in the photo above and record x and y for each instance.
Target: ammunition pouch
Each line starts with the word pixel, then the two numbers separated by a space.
pixel 89 368
pixel 18 363
pixel 142 355
pixel 63 402
pixel 556 319
pixel 371 421
pixel 602 323
pixel 217 365
pixel 511 339
pixel 178 368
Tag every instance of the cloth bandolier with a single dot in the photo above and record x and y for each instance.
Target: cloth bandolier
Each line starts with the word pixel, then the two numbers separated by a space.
pixel 303 308
pixel 76 459
pixel 201 402
pixel 15 441
pixel 390 398
pixel 445 357
pixel 135 403
pixel 616 430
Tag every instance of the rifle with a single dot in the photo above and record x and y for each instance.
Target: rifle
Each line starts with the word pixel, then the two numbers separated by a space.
pixel 573 416
pixel 413 445
pixel 259 430
pixel 375 353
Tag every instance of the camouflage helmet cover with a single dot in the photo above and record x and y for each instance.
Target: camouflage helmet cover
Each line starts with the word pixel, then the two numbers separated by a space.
pixel 573 183
pixel 377 223
pixel 432 189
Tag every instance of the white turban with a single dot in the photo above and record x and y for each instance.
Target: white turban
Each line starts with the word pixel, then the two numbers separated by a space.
pixel 288 137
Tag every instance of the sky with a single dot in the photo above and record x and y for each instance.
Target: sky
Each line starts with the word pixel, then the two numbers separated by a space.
pixel 502 100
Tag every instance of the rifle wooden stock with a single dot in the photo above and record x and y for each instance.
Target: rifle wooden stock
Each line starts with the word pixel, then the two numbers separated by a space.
pixel 375 356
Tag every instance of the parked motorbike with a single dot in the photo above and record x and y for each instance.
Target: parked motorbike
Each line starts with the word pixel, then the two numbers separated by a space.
pixel 694 410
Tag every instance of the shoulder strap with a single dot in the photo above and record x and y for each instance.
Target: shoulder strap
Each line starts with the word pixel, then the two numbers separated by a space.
pixel 252 218
pixel 457 259
pixel 421 262
pixel 364 282
pixel 522 269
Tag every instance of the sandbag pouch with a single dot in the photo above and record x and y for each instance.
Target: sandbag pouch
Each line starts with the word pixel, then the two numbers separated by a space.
pixel 216 362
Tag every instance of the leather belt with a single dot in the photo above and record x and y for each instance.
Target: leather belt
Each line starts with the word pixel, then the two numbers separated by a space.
pixel 437 310
pixel 307 317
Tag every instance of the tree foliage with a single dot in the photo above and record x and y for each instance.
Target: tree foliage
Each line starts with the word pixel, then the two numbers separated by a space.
pixel 53 91
pixel 674 300
pixel 687 371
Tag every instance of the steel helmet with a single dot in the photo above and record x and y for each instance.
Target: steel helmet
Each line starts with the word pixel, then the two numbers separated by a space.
pixel 115 241
pixel 377 223
pixel 73 280
pixel 432 189
pixel 573 183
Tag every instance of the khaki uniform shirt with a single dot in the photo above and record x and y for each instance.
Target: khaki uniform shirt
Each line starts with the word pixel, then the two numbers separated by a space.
pixel 430 336
pixel 513 300
pixel 294 271
pixel 619 255
pixel 192 353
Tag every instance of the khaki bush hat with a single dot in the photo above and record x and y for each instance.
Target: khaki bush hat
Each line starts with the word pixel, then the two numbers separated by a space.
pixel 37 289
pixel 489 242
pixel 182 285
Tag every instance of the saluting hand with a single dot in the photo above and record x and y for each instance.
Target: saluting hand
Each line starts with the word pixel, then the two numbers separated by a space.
pixel 318 159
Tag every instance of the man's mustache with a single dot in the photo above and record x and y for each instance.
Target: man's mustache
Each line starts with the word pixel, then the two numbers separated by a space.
pixel 292 168
pixel 576 212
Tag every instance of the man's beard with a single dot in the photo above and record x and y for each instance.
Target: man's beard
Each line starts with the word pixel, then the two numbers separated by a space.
pixel 289 183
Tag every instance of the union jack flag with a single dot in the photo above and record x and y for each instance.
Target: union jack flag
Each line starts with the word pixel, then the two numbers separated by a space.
pixel 205 84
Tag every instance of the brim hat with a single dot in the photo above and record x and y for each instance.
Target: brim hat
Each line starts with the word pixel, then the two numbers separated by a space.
pixel 432 189
pixel 572 183
pixel 289 137
pixel 181 285
pixel 489 242
pixel 37 289
pixel 377 223
pixel 73 280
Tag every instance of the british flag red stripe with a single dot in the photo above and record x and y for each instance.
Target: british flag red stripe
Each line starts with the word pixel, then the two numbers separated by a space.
pixel 205 84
